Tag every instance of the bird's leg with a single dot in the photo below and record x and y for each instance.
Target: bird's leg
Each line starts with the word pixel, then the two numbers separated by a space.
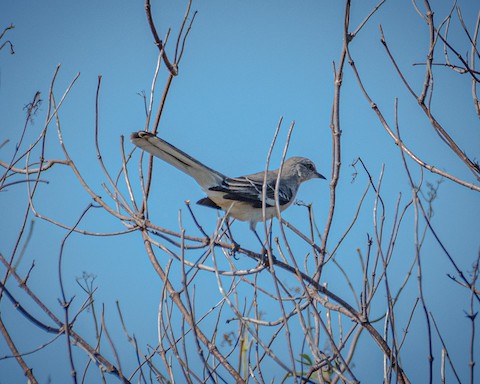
pixel 236 246
pixel 263 251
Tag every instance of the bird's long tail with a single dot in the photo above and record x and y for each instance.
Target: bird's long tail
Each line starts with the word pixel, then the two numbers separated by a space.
pixel 204 175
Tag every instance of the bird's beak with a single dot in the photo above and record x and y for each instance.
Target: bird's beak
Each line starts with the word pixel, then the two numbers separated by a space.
pixel 320 176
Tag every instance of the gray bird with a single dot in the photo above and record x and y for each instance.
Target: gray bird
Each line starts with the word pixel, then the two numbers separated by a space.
pixel 240 197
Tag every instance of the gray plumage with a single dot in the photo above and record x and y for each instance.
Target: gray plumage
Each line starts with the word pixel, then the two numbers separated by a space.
pixel 240 197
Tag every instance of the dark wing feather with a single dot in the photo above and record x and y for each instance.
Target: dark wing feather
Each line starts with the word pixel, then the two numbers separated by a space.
pixel 250 191
pixel 207 202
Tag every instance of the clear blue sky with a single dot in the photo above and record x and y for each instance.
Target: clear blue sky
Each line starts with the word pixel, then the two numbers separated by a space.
pixel 246 64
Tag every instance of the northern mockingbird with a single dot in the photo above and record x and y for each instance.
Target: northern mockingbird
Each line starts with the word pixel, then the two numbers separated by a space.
pixel 240 197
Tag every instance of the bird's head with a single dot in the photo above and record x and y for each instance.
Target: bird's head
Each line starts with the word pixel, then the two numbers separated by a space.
pixel 302 168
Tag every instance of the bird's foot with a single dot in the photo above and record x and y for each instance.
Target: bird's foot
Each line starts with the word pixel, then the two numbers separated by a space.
pixel 233 251
pixel 264 260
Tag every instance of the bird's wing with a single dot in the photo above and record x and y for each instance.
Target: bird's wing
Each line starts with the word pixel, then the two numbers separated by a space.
pixel 205 176
pixel 249 189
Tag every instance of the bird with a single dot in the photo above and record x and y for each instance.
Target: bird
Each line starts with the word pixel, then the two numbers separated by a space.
pixel 240 197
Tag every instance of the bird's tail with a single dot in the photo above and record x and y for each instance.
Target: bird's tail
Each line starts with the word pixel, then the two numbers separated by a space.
pixel 204 175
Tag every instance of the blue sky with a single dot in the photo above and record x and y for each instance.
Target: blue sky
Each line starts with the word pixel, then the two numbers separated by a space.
pixel 246 64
